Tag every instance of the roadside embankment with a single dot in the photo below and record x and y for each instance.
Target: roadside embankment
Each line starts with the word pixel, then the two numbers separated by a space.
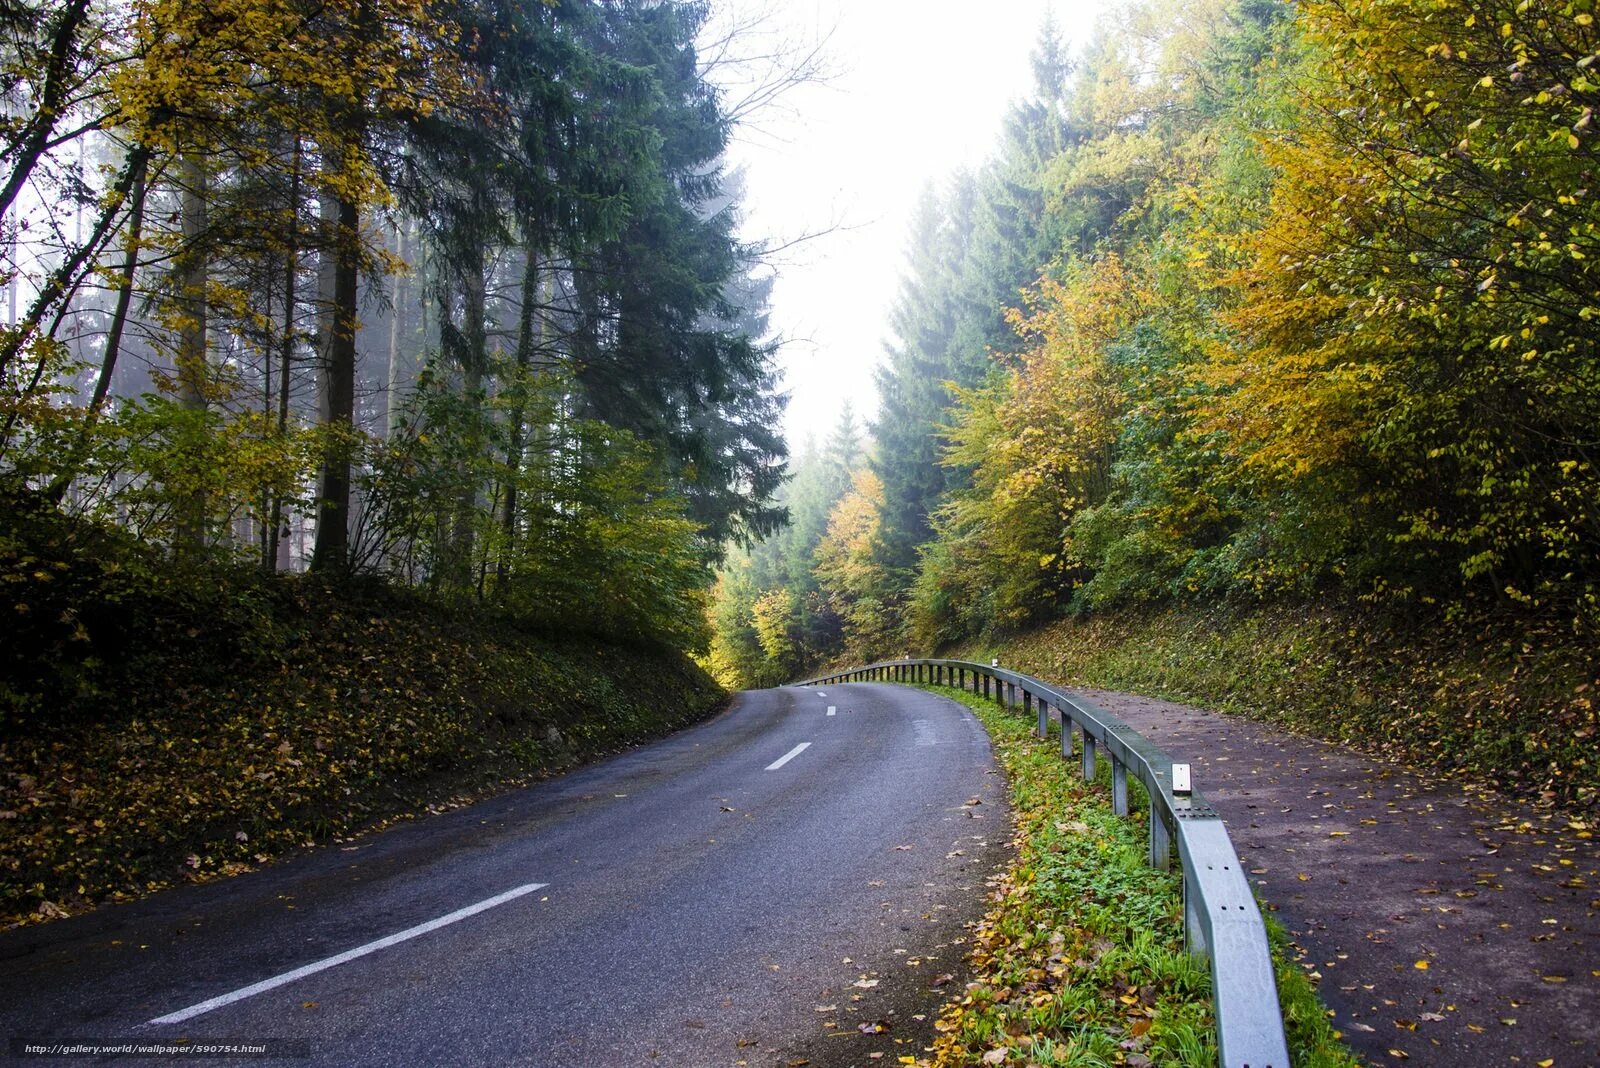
pixel 159 726
pixel 1497 701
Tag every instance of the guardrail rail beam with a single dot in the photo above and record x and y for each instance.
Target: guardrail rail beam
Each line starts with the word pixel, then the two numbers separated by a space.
pixel 1222 921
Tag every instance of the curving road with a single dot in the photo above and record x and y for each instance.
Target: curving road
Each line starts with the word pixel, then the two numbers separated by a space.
pixel 798 868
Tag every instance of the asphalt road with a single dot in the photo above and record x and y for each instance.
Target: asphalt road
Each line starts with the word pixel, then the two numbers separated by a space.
pixel 736 894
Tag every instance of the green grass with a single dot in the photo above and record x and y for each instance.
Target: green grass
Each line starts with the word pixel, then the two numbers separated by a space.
pixel 1080 960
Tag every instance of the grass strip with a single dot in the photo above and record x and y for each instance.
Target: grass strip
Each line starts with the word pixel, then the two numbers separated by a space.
pixel 1080 959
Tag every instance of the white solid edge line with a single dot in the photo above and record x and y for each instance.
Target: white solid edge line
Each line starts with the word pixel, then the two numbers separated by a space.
pixel 345 957
pixel 832 709
pixel 790 755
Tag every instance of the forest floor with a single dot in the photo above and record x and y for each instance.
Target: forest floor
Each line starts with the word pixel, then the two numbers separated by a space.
pixel 1444 927
pixel 161 725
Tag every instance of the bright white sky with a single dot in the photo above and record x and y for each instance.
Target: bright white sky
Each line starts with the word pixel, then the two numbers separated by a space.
pixel 921 90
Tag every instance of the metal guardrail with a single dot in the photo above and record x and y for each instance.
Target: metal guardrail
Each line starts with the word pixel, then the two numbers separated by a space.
pixel 1221 919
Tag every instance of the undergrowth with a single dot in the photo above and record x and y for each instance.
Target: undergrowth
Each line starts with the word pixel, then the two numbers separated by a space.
pixel 159 726
pixel 1080 959
pixel 1494 700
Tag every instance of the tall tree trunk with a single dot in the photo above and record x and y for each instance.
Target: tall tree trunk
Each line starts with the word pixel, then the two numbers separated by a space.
pixel 337 385
pixel 192 369
pixel 272 557
pixel 119 318
pixel 474 360
pixel 530 339
pixel 392 405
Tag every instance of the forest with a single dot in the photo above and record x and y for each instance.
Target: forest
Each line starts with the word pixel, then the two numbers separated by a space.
pixel 449 295
pixel 380 382
pixel 1252 303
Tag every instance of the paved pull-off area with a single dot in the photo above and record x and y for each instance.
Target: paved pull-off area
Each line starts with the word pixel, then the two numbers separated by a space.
pixel 1453 930
pixel 809 858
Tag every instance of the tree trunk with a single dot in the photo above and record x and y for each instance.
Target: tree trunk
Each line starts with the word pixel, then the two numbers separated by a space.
pixel 393 408
pixel 64 280
pixel 192 369
pixel 273 556
pixel 59 70
pixel 337 384
pixel 474 360
pixel 119 318
pixel 530 339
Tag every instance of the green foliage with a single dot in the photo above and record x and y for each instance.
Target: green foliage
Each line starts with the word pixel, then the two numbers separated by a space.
pixel 586 471
pixel 1314 316
pixel 771 615
pixel 601 542
pixel 849 568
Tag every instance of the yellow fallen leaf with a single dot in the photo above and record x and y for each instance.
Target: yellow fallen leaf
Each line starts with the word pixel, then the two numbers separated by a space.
pixel 1422 965
pixel 1402 1054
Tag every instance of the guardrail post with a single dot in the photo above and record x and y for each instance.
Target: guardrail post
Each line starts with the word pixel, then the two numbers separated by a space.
pixel 1194 932
pixel 1160 841
pixel 1119 787
pixel 1066 734
pixel 1042 717
pixel 1088 754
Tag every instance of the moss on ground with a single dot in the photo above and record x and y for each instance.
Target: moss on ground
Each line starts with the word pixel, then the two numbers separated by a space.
pixel 1080 959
